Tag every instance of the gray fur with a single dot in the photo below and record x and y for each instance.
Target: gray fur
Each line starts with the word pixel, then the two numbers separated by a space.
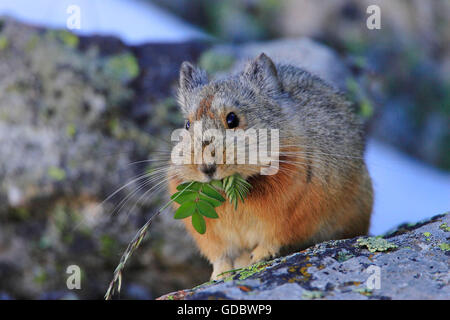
pixel 191 78
pixel 306 109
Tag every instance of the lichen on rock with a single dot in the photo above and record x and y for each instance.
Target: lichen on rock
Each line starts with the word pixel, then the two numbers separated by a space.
pixel 407 266
pixel 375 244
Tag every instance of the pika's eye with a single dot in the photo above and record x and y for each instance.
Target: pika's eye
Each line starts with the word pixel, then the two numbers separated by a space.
pixel 232 120
pixel 188 124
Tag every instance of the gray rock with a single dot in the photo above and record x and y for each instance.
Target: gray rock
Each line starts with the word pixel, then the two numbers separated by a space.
pixel 417 267
pixel 75 114
pixel 303 52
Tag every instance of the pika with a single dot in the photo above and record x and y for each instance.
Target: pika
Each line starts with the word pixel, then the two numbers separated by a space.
pixel 322 189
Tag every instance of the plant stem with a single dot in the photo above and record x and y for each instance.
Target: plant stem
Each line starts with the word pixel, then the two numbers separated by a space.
pixel 132 246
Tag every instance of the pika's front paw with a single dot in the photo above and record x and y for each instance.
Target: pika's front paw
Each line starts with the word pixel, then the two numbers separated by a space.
pixel 261 253
pixel 244 260
pixel 220 267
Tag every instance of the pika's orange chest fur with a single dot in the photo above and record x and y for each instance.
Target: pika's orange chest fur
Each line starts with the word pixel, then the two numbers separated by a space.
pixel 270 215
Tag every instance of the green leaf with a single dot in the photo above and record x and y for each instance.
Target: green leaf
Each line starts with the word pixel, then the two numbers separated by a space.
pixel 240 194
pixel 213 193
pixel 206 209
pixel 235 201
pixel 187 195
pixel 211 201
pixel 245 183
pixel 195 186
pixel 185 210
pixel 183 186
pixel 217 184
pixel 200 199
pixel 198 222
pixel 236 188
pixel 228 182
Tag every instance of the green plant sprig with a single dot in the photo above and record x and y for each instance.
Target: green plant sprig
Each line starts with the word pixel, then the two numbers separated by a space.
pixel 236 188
pixel 197 200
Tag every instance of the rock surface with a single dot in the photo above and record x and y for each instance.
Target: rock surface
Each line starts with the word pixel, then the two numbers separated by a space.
pixel 75 115
pixel 412 263
pixel 303 52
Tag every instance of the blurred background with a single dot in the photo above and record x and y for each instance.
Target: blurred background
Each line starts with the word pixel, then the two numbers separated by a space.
pixel 82 110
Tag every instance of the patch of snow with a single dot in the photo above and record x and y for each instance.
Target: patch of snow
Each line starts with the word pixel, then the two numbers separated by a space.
pixel 406 190
pixel 133 21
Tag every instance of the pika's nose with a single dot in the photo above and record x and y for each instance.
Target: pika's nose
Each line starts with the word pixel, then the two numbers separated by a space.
pixel 208 169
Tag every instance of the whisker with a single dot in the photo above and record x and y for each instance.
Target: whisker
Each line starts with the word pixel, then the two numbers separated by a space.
pixel 140 187
pixel 132 181
pixel 149 160
pixel 146 193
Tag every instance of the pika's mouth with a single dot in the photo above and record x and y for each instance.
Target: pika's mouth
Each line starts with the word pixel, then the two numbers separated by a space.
pixel 209 170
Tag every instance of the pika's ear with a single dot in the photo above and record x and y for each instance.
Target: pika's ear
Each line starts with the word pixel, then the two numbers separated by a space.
pixel 263 73
pixel 191 77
